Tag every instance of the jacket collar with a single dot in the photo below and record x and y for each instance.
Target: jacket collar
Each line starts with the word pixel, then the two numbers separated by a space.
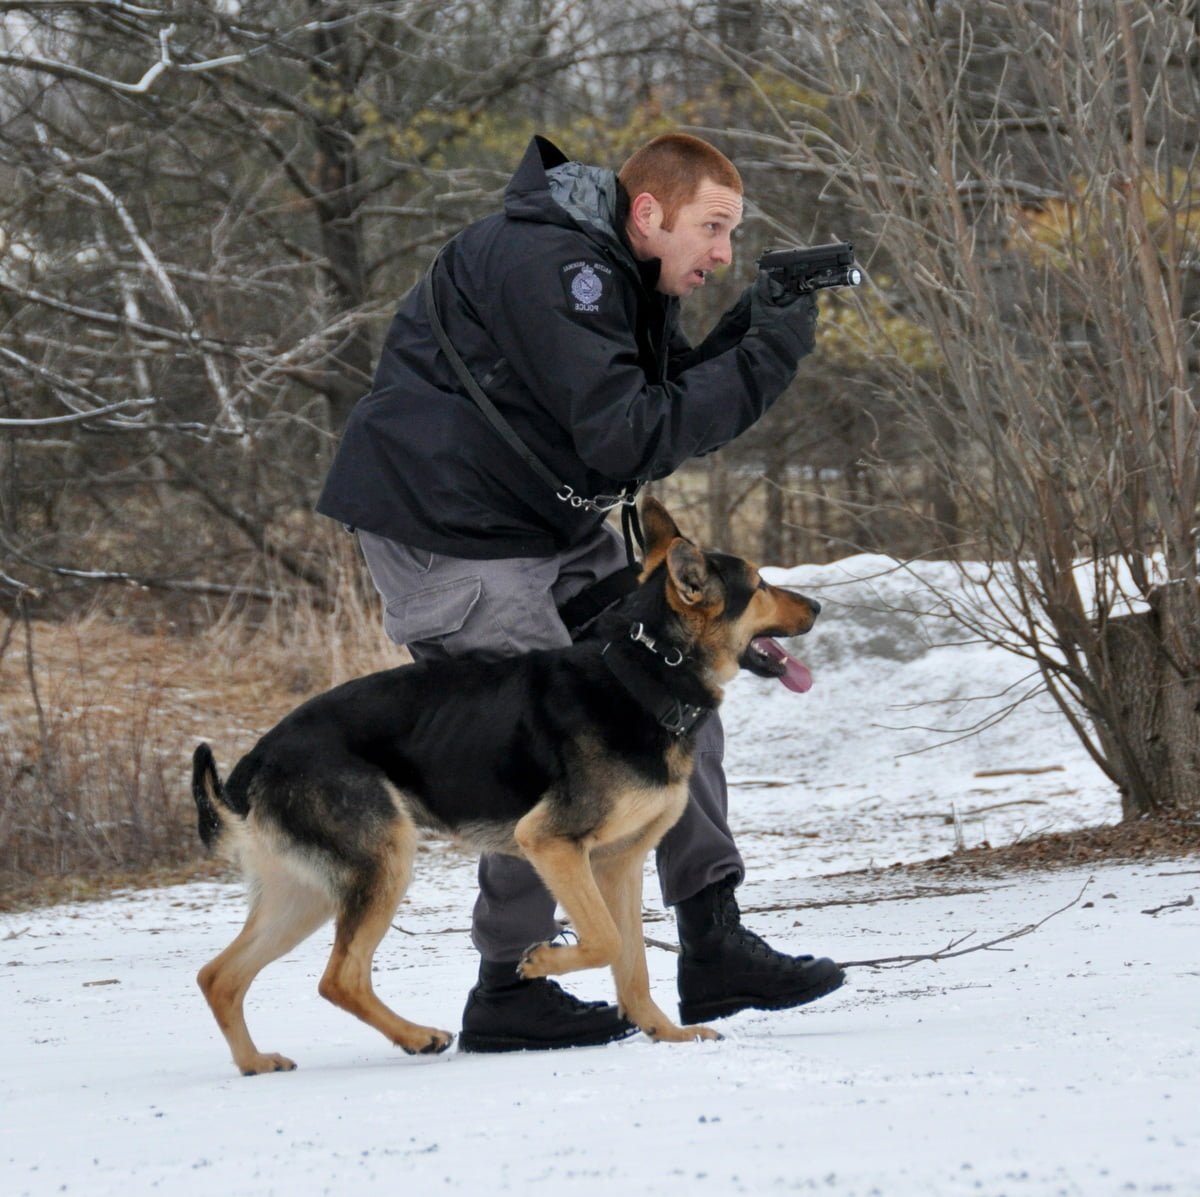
pixel 548 187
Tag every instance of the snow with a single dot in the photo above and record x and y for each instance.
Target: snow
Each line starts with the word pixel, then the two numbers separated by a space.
pixel 1064 1061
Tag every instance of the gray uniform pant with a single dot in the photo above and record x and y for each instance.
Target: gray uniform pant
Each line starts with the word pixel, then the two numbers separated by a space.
pixel 443 606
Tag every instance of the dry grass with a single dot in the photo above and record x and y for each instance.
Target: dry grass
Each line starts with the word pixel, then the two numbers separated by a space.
pixel 98 723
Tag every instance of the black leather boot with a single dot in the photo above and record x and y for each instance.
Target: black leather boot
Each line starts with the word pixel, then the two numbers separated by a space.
pixel 505 1013
pixel 724 967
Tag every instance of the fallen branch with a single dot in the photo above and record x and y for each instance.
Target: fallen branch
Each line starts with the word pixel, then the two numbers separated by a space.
pixel 946 953
pixel 952 948
pixel 1188 901
pixel 658 943
pixel 761 783
pixel 1023 772
pixel 927 892
pixel 975 812
pixel 982 810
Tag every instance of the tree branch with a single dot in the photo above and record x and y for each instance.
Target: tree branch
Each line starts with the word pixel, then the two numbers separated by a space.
pixel 952 949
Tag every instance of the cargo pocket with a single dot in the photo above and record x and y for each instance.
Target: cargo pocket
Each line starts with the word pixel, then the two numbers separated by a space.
pixel 431 614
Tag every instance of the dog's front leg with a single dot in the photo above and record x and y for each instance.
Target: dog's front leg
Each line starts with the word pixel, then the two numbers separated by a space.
pixel 620 880
pixel 564 866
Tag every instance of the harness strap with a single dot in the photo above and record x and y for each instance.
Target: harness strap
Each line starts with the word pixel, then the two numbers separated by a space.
pixel 672 714
pixel 582 610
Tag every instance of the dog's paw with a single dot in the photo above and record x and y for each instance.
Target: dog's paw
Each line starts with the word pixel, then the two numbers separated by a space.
pixel 536 961
pixel 430 1042
pixel 670 1033
pixel 262 1062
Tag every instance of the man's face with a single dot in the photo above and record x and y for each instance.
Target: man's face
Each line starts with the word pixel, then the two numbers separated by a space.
pixel 697 242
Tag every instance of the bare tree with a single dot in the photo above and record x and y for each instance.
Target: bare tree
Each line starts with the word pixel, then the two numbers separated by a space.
pixel 1027 171
pixel 207 215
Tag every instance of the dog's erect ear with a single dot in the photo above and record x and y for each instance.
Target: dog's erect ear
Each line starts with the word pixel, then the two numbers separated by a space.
pixel 688 570
pixel 660 530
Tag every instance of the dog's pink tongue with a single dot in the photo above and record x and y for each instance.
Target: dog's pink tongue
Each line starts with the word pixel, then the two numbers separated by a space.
pixel 797 676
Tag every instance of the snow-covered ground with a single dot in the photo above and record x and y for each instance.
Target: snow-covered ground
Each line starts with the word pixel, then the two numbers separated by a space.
pixel 1062 1062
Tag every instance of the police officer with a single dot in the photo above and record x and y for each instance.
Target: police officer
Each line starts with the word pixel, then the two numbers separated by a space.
pixel 563 310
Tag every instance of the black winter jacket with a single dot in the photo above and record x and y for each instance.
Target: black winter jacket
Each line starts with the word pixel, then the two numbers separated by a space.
pixel 565 333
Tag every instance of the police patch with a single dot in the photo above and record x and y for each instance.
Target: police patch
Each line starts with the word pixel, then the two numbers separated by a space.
pixel 585 283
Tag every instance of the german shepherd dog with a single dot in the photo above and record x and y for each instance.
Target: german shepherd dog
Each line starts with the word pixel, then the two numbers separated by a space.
pixel 576 759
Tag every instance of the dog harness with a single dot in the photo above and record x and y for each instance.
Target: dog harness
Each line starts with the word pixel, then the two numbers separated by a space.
pixel 670 713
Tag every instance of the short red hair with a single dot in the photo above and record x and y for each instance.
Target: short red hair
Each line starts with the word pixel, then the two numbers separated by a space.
pixel 672 167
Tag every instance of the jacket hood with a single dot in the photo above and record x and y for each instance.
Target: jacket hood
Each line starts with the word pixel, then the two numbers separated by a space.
pixel 549 188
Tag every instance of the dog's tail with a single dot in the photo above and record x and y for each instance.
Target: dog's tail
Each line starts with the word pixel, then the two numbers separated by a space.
pixel 209 793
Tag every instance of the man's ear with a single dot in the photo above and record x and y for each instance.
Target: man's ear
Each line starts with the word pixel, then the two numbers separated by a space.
pixel 660 530
pixel 645 214
pixel 688 570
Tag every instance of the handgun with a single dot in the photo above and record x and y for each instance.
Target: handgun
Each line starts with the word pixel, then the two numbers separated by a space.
pixel 804 270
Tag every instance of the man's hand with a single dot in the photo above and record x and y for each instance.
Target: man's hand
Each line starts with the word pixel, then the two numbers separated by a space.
pixel 773 305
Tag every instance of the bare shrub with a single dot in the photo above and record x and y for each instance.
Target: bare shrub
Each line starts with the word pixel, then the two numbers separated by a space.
pixel 1029 170
pixel 98 721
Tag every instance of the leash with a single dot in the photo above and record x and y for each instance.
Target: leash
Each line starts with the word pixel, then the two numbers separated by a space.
pixel 631 529
pixel 676 717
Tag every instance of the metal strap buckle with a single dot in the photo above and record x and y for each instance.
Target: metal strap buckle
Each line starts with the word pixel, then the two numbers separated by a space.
pixel 681 720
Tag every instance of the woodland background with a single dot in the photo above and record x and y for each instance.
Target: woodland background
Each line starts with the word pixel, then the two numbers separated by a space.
pixel 208 212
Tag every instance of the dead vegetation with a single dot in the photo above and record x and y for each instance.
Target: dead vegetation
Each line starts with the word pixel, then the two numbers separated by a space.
pixel 1134 839
pixel 98 722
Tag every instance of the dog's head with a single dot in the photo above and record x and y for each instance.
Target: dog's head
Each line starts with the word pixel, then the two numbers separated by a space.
pixel 730 615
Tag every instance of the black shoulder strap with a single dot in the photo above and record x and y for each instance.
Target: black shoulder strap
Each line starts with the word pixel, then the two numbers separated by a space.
pixel 630 525
pixel 475 391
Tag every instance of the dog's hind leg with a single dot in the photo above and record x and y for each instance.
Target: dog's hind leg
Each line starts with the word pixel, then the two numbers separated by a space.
pixel 364 918
pixel 283 912
pixel 564 866
pixel 619 877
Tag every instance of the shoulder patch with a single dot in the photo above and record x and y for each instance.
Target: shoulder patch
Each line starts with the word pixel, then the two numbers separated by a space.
pixel 585 283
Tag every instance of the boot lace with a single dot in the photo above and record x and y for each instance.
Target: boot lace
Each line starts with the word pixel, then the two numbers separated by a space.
pixel 729 916
pixel 560 997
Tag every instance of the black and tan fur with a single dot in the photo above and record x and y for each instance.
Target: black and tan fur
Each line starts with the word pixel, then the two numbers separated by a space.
pixel 547 756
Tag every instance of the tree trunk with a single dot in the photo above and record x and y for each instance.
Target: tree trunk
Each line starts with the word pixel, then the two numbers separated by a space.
pixel 718 500
pixel 1153 737
pixel 338 209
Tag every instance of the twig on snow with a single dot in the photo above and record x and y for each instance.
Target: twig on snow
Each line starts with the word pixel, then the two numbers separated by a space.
pixel 1029 769
pixel 952 949
pixel 659 943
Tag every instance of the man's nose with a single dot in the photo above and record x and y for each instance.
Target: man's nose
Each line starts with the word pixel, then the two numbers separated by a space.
pixel 722 252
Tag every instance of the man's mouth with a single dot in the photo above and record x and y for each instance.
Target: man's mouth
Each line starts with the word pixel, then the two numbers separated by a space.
pixel 701 276
pixel 768 658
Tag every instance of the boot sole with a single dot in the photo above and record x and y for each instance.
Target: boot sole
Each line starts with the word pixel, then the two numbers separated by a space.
pixel 694 1012
pixel 474 1042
